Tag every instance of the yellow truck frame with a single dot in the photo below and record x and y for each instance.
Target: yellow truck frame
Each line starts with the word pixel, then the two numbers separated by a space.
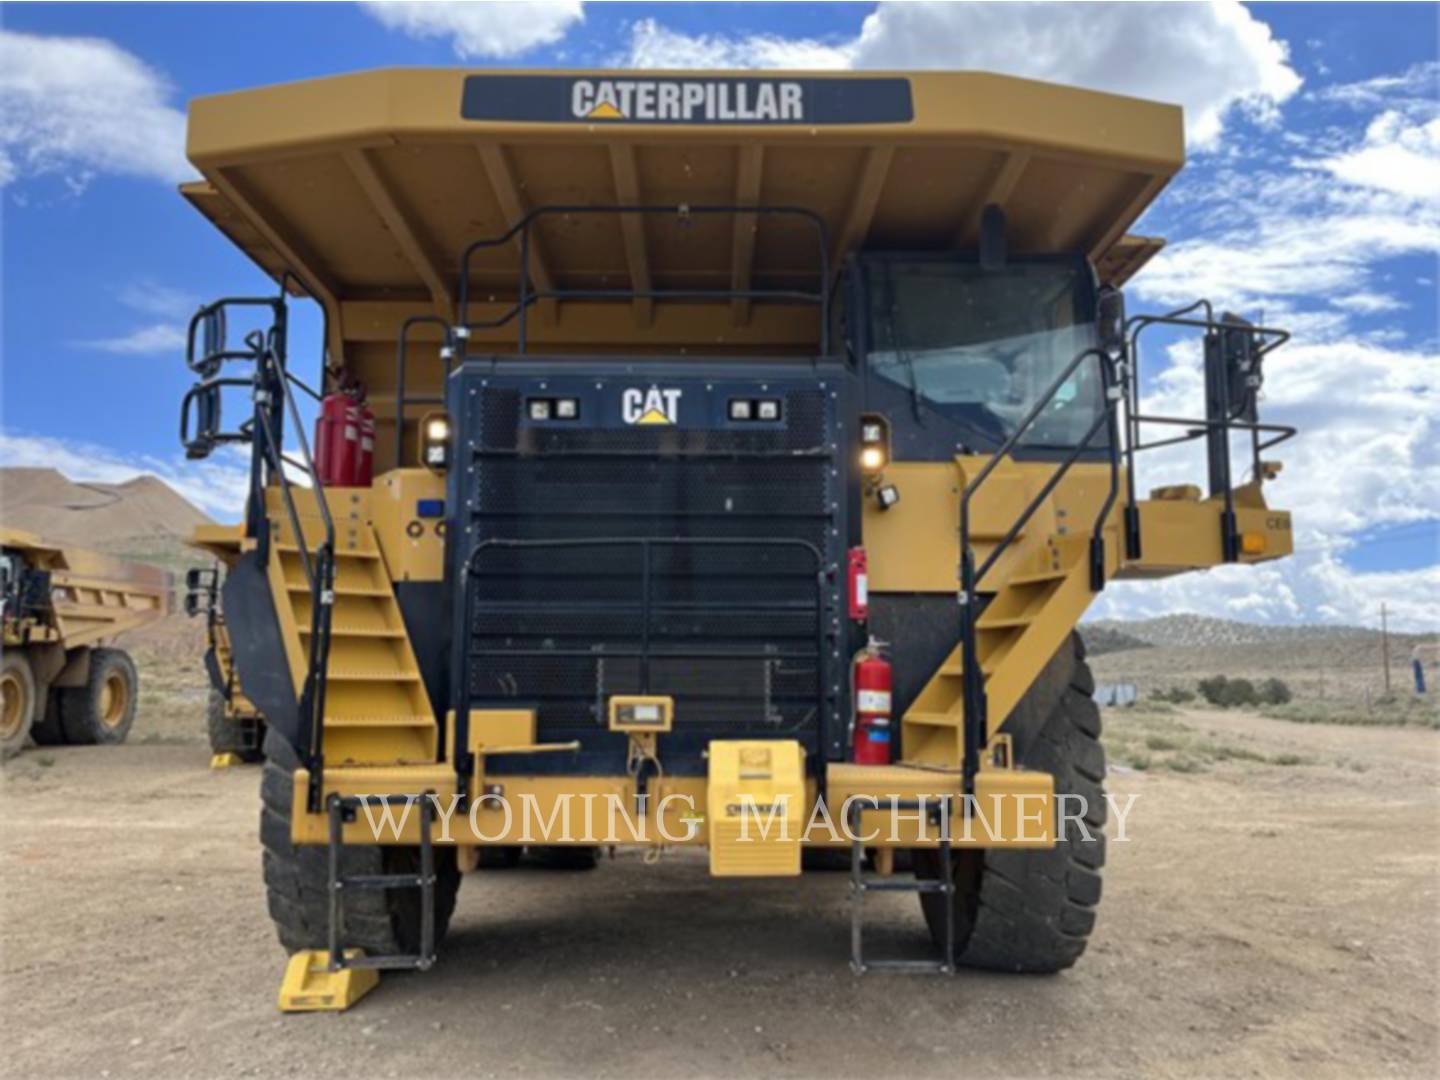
pixel 658 260
pixel 62 605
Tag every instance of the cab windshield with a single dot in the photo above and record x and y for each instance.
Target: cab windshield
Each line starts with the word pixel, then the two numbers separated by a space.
pixel 980 347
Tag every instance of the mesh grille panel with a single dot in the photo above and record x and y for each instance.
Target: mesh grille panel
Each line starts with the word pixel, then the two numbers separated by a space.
pixel 667 561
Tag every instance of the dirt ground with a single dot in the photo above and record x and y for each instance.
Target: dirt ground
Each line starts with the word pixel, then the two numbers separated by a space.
pixel 1274 913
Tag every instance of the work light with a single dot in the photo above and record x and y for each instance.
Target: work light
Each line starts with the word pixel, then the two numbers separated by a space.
pixel 435 442
pixel 874 442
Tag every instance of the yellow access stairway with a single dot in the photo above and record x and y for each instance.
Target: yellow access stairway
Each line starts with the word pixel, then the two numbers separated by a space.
pixel 376 708
pixel 1038 592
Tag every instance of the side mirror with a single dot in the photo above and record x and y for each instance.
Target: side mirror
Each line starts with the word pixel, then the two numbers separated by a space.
pixel 1110 320
pixel 1241 362
pixel 212 333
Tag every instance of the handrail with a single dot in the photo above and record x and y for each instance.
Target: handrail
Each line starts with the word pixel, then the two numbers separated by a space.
pixel 528 296
pixel 975 699
pixel 271 384
pixel 321 575
pixel 1120 383
pixel 1268 339
pixel 447 354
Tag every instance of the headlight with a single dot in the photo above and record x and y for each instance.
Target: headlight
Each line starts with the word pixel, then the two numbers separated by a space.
pixel 435 442
pixel 874 442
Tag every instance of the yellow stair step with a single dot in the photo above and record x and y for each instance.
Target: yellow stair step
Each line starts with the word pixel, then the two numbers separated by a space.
pixel 340 553
pixel 342 675
pixel 341 630
pixel 387 720
pixel 342 590
pixel 1003 624
pixel 1038 578
pixel 935 719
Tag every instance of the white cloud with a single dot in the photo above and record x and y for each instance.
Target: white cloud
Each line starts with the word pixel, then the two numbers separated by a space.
pixel 78 107
pixel 153 298
pixel 156 338
pixel 1397 156
pixel 1304 235
pixel 153 340
pixel 482 29
pixel 1210 58
pixel 653 45
pixel 217 487
pixel 1416 87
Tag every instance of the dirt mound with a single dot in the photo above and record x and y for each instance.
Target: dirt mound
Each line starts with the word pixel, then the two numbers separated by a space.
pixel 47 502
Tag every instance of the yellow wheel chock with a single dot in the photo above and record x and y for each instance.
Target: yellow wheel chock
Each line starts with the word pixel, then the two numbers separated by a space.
pixel 225 761
pixel 310 986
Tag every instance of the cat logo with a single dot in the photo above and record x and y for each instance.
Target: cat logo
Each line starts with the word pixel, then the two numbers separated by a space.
pixel 653 406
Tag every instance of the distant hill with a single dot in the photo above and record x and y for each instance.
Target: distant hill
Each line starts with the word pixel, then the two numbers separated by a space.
pixel 1109 638
pixel 1181 631
pixel 144 518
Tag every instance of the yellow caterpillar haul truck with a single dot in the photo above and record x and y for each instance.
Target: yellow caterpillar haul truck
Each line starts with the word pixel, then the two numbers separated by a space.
pixel 745 451
pixel 61 682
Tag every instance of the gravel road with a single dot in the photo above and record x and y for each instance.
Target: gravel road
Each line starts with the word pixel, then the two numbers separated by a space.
pixel 1261 921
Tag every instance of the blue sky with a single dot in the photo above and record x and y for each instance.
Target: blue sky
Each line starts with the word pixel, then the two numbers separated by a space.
pixel 1312 197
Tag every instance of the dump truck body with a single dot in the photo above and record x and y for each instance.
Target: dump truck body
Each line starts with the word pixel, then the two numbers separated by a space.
pixel 62 606
pixel 687 391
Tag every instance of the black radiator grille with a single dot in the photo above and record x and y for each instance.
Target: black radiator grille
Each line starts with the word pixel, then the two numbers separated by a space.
pixel 677 561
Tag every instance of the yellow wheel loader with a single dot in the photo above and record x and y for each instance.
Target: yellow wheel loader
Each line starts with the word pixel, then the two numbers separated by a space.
pixel 60 680
pixel 716 460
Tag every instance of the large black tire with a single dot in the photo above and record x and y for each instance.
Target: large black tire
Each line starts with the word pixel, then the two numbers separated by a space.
pixel 47 730
pixel 296 878
pixel 1032 911
pixel 229 735
pixel 19 701
pixel 103 710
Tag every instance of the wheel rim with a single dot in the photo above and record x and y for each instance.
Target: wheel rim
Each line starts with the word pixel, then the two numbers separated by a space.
pixel 114 700
pixel 13 706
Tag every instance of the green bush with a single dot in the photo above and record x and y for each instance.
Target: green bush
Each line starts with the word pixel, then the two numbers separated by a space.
pixel 1275 692
pixel 1212 689
pixel 1173 695
pixel 1230 693
pixel 1239 692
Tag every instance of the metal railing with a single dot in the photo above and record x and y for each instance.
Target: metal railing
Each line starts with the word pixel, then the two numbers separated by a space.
pixel 453 337
pixel 975 699
pixel 527 294
pixel 1263 340
pixel 1120 385
pixel 271 393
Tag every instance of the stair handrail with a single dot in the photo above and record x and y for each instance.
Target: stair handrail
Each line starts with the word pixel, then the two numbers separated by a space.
pixel 975 699
pixel 272 378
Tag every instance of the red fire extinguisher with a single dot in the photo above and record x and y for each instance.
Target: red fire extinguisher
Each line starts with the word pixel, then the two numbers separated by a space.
pixel 345 439
pixel 872 744
pixel 330 438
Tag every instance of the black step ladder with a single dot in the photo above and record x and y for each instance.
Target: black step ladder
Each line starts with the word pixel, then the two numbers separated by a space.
pixel 860 884
pixel 342 809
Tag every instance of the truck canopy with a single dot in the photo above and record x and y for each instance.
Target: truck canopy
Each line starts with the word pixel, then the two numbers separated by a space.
pixel 369 187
